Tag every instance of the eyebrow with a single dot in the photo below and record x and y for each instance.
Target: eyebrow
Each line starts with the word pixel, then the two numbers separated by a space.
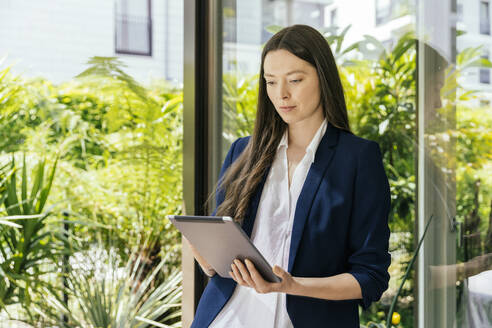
pixel 289 73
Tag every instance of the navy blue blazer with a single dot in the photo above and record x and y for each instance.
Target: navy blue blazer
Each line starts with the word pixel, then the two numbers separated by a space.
pixel 340 225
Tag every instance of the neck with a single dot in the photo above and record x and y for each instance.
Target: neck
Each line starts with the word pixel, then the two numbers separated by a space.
pixel 301 133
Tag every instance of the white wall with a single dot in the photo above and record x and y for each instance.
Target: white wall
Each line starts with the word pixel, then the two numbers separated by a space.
pixel 246 52
pixel 471 25
pixel 363 21
pixel 175 36
pixel 55 38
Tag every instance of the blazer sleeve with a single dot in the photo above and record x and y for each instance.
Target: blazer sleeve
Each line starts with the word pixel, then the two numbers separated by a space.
pixel 219 193
pixel 369 232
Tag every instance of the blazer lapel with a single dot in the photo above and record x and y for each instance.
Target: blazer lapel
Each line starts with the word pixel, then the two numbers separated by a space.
pixel 322 159
pixel 253 207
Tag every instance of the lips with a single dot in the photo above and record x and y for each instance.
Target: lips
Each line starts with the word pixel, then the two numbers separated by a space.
pixel 286 109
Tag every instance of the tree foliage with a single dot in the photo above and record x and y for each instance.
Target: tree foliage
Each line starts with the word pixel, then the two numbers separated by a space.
pixel 118 146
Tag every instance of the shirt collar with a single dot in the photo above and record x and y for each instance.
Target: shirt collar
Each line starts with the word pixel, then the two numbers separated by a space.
pixel 284 142
pixel 313 145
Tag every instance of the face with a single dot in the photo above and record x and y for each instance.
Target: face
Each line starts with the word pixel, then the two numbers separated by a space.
pixel 293 87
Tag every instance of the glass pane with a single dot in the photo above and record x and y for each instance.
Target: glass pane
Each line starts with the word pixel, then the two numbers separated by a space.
pixel 378 77
pixel 474 163
pixel 435 134
pixel 90 159
pixel 245 31
pixel 454 162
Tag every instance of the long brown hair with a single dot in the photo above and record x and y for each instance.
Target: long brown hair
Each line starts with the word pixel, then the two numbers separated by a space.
pixel 242 178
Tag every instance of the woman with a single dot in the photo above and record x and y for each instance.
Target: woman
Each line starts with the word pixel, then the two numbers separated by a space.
pixel 313 198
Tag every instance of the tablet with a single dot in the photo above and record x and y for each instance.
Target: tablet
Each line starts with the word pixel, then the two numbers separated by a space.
pixel 220 240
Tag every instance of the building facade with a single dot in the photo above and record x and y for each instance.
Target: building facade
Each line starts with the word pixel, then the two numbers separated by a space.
pixel 54 39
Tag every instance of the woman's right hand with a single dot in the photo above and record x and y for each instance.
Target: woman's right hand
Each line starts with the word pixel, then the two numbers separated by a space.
pixel 207 268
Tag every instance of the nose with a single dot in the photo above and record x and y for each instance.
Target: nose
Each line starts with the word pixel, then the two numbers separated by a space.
pixel 283 91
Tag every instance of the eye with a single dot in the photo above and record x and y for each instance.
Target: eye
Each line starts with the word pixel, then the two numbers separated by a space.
pixel 296 81
pixel 270 82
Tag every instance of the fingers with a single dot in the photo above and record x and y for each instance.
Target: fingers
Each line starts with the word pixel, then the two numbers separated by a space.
pixel 244 273
pixel 279 272
pixel 233 276
pixel 255 275
pixel 239 278
pixel 248 276
pixel 262 286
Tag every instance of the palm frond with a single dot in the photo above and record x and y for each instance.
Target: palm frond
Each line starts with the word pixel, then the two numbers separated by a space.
pixel 106 294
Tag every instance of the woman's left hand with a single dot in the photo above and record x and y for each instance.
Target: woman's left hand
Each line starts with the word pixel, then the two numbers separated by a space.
pixel 248 276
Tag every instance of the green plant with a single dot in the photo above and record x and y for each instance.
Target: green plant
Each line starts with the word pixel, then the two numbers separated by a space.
pixel 406 275
pixel 104 294
pixel 20 101
pixel 239 105
pixel 118 172
pixel 120 147
pixel 143 139
pixel 8 91
pixel 381 101
pixel 381 104
pixel 392 316
pixel 5 173
pixel 26 246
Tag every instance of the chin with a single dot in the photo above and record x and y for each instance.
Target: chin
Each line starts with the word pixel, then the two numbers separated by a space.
pixel 287 118
pixel 291 120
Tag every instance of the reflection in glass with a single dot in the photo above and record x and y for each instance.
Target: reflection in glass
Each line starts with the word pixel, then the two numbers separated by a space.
pixel 428 106
pixel 455 267
pixel 484 18
pixel 485 72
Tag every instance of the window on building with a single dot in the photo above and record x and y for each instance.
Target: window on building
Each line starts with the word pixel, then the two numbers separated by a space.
pixel 334 17
pixel 383 11
pixel 229 15
pixel 286 12
pixel 133 27
pixel 460 12
pixel 306 13
pixel 388 44
pixel 485 72
pixel 387 10
pixel 484 18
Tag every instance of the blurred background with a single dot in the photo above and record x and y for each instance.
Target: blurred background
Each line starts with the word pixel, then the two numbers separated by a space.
pixel 114 114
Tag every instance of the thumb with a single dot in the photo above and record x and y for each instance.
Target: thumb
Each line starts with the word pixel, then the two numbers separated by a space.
pixel 279 271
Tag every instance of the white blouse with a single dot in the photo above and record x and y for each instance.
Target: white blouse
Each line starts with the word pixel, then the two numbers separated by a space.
pixel 271 234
